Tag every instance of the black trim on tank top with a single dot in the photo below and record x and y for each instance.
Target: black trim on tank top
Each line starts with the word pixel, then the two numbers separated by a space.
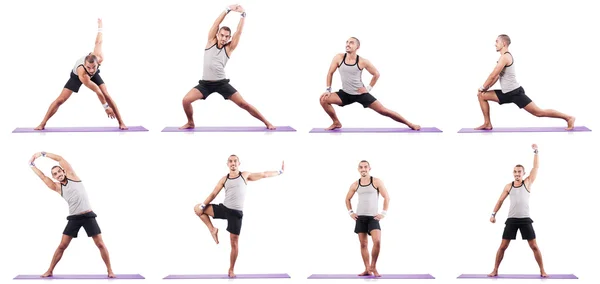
pixel 513 59
pixel 370 183
pixel 344 61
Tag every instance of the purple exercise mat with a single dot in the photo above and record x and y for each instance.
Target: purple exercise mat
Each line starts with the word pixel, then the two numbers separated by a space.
pixel 375 130
pixel 383 276
pixel 78 276
pixel 519 276
pixel 225 276
pixel 79 129
pixel 230 129
pixel 525 129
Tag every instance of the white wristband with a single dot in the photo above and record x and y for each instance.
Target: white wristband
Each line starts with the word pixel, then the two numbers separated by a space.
pixel 202 206
pixel 350 212
pixel 43 154
pixel 99 30
pixel 369 88
pixel 32 164
pixel 280 172
pixel 329 89
pixel 227 10
pixel 383 212
pixel 105 106
pixel 243 15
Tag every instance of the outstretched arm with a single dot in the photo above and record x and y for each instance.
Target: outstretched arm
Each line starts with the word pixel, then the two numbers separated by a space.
pixel 212 33
pixel 503 196
pixel 235 39
pixel 332 67
pixel 533 174
pixel 493 77
pixel 98 45
pixel 214 193
pixel 49 183
pixel 268 174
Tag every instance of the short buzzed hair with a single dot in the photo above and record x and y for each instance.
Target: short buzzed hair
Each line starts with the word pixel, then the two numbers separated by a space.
pixel 365 161
pixel 358 42
pixel 505 39
pixel 520 166
pixel 91 58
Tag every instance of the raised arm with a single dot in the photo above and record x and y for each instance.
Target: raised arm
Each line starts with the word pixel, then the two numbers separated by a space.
pixel 378 183
pixel 212 33
pixel 332 67
pixel 503 196
pixel 349 196
pixel 98 45
pixel 373 71
pixel 533 174
pixel 63 164
pixel 220 185
pixel 235 39
pixel 267 174
pixel 49 183
pixel 493 77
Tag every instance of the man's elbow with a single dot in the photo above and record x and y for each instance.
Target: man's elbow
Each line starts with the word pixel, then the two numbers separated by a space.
pixel 376 75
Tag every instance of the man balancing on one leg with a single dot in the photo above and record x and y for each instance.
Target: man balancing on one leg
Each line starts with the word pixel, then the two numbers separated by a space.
pixel 86 72
pixel 518 214
pixel 216 55
pixel 70 187
pixel 353 90
pixel 367 215
pixel 511 91
pixel 231 209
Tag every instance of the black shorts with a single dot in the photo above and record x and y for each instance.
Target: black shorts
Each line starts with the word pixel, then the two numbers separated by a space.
pixel 365 99
pixel 516 96
pixel 222 87
pixel 74 83
pixel 366 224
pixel 525 225
pixel 86 220
pixel 233 217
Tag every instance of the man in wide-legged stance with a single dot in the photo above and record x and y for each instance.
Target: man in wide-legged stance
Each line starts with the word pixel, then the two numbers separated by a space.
pixel 519 218
pixel 367 215
pixel 510 90
pixel 231 209
pixel 218 50
pixel 87 72
pixel 70 187
pixel 353 89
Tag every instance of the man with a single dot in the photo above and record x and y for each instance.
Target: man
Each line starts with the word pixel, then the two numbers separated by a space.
pixel 216 55
pixel 367 215
pixel 231 209
pixel 511 91
pixel 353 90
pixel 86 72
pixel 70 187
pixel 518 214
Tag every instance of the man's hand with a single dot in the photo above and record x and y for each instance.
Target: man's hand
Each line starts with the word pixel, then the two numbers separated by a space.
pixel 493 219
pixel 379 217
pixel 99 24
pixel 109 111
pixel 534 147
pixel 353 216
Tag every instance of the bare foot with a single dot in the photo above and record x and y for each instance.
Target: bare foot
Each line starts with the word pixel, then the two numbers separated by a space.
pixel 215 236
pixel 47 274
pixel 570 123
pixel 231 274
pixel 485 126
pixel 270 126
pixel 335 125
pixel 375 273
pixel 544 274
pixel 414 126
pixel 40 127
pixel 111 274
pixel 494 273
pixel 188 125
pixel 123 127
pixel 366 273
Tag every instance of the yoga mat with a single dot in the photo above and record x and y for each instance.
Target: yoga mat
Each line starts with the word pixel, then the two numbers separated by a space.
pixel 519 276
pixel 230 129
pixel 225 276
pixel 78 276
pixel 525 129
pixel 79 129
pixel 383 276
pixel 376 130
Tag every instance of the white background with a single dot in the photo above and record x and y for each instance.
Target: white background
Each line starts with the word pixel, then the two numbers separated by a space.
pixel 432 56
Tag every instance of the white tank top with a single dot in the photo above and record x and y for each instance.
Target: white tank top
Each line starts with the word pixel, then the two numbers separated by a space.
pixel 519 201
pixel 74 193
pixel 235 192
pixel 368 197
